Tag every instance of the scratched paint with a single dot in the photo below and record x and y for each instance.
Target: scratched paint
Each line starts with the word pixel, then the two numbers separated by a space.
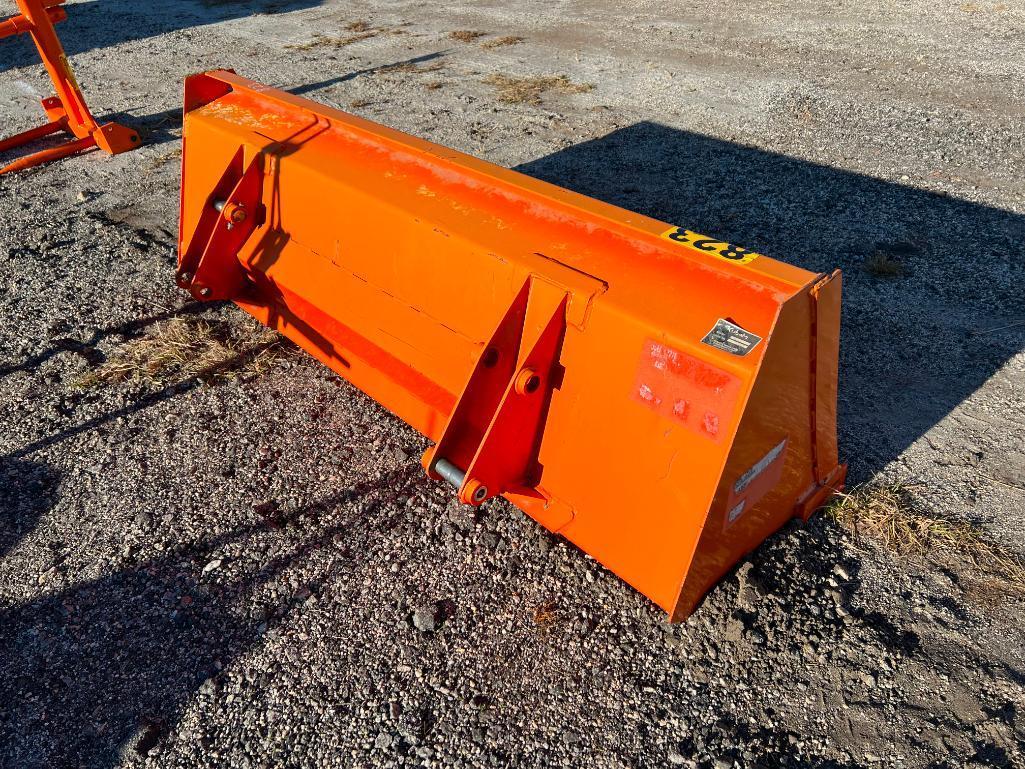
pixel 533 204
pixel 264 120
pixel 686 390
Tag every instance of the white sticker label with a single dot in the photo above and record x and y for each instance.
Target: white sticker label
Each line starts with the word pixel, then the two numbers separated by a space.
pixel 759 467
pixel 734 514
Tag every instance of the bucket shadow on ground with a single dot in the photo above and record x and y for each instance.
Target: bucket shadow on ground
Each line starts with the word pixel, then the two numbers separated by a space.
pixel 101 670
pixel 913 347
pixel 28 490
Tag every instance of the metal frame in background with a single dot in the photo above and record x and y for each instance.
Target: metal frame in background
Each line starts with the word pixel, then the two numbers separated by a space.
pixel 67 111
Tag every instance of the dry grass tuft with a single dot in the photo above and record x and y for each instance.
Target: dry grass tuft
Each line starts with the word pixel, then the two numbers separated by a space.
pixel 500 42
pixel 412 67
pixel 884 265
pixel 354 38
pixel 528 90
pixel 326 41
pixel 358 26
pixel 888 515
pixel 547 614
pixel 466 35
pixel 160 160
pixel 186 348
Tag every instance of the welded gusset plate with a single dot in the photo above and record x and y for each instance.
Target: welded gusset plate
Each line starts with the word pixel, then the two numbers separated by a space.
pixel 491 441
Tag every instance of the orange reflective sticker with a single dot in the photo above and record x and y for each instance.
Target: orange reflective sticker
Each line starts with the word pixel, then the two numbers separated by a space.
pixel 685 389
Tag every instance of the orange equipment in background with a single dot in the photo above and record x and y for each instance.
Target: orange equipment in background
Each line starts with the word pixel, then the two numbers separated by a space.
pixel 662 399
pixel 67 111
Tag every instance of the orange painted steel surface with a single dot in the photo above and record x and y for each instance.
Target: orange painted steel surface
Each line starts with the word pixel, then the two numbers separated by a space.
pixel 67 111
pixel 663 400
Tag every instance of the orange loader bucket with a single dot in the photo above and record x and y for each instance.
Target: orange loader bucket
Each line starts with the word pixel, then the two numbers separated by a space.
pixel 662 399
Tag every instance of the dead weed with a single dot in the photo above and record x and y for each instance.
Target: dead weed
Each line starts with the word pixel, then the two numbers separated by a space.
pixel 500 42
pixel 547 614
pixel 888 515
pixel 466 35
pixel 411 67
pixel 884 265
pixel 153 163
pixel 328 41
pixel 528 90
pixel 187 348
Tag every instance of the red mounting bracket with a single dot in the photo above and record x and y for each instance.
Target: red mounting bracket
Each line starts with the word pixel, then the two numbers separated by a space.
pixel 491 441
pixel 210 268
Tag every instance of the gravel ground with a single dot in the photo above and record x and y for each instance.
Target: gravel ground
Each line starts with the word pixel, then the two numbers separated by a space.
pixel 245 566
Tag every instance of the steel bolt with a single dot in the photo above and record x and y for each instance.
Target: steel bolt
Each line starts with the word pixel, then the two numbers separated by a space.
pixel 234 213
pixel 527 381
pixel 474 492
